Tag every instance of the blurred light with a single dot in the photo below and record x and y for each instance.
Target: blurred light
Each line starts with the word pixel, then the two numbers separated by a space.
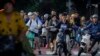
pixel 1 10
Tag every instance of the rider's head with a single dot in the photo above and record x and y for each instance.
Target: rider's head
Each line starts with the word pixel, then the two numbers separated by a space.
pixel 54 17
pixel 64 16
pixel 94 18
pixel 60 16
pixel 53 12
pixel 8 6
pixel 61 30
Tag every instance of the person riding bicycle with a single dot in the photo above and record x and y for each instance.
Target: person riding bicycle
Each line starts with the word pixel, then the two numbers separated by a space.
pixel 61 35
pixel 61 38
pixel 94 28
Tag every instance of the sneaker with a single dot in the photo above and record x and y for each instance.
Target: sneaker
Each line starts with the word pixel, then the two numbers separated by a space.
pixel 69 54
pixel 39 52
pixel 34 54
pixel 31 54
pixel 54 54
pixel 46 46
pixel 93 53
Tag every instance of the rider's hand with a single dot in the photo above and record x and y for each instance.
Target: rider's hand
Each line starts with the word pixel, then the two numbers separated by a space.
pixel 98 33
pixel 38 27
pixel 43 25
pixel 47 27
pixel 70 29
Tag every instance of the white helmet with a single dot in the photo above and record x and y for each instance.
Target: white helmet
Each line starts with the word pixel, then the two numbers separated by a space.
pixel 46 15
pixel 95 16
pixel 30 13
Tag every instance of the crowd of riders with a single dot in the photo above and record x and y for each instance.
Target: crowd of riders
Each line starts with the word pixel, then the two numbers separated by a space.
pixel 23 33
pixel 62 27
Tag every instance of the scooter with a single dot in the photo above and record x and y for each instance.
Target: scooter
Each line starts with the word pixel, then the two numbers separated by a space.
pixel 60 49
pixel 85 43
pixel 60 44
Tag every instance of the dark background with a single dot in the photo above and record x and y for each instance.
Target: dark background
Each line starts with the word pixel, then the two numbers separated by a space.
pixel 45 6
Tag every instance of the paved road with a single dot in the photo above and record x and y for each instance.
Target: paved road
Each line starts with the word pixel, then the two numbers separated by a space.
pixel 47 52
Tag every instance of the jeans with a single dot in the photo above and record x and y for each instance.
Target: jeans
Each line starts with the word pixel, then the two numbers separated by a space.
pixel 8 46
pixel 64 48
pixel 94 41
pixel 37 41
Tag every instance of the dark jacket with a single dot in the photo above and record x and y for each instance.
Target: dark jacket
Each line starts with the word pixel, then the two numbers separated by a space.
pixel 94 29
pixel 65 26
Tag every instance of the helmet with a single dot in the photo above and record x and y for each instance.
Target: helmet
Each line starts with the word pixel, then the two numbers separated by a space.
pixel 95 16
pixel 46 15
pixel 30 13
pixel 61 30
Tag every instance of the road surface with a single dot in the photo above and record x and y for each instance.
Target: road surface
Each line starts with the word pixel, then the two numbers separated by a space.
pixel 47 52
